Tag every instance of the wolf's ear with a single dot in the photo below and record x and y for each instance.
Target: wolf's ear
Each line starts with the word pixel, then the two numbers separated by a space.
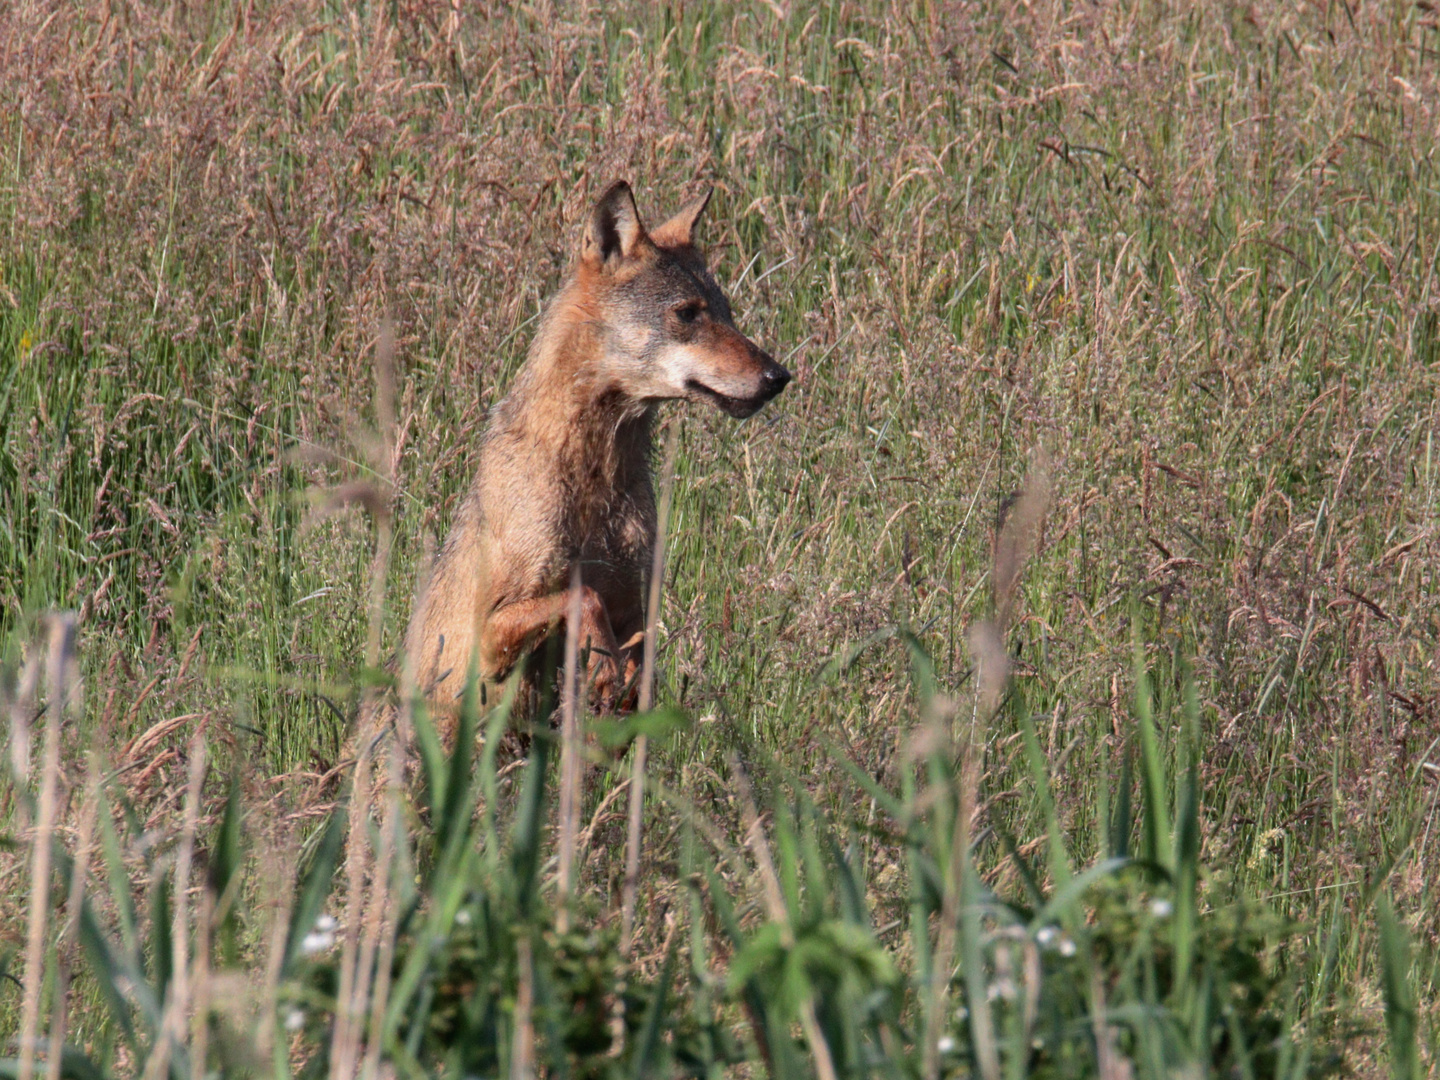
pixel 679 231
pixel 615 232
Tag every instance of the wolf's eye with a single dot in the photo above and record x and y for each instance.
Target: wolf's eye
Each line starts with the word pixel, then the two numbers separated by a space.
pixel 689 313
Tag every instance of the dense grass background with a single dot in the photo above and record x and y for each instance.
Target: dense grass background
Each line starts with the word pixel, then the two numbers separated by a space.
pixel 1185 253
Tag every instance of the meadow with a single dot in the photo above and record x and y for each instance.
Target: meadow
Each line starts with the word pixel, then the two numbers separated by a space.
pixel 1047 680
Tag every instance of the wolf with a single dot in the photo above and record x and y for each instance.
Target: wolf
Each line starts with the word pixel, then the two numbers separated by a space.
pixel 564 477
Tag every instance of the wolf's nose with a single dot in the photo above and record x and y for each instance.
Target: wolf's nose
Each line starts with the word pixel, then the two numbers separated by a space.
pixel 775 379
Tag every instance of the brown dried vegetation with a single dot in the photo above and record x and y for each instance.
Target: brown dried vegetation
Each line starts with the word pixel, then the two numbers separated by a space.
pixel 1190 252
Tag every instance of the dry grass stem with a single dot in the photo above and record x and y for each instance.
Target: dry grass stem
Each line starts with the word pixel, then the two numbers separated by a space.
pixel 62 678
pixel 393 837
pixel 635 821
pixel 522 1054
pixel 379 920
pixel 1019 534
pixel 67 944
pixel 277 871
pixel 775 908
pixel 570 793
pixel 366 875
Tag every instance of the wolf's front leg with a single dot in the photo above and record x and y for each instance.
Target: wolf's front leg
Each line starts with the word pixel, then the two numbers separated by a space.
pixel 515 629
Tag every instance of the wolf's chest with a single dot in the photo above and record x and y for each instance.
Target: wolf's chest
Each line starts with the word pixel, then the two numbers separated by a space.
pixel 618 534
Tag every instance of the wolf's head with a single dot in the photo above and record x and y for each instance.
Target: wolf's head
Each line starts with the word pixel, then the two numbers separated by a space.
pixel 667 326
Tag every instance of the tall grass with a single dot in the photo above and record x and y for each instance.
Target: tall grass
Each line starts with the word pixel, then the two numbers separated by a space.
pixel 1143 963
pixel 1189 251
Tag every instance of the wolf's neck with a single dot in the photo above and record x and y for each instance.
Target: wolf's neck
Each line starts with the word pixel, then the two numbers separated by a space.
pixel 567 402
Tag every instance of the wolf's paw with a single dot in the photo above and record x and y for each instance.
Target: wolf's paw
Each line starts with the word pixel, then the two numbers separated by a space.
pixel 608 684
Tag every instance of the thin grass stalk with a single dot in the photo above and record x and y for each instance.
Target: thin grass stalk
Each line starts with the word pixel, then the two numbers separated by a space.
pixel 184 861
pixel 963 880
pixel 381 998
pixel 1013 548
pixel 354 980
pixel 982 1028
pixel 200 987
pixel 943 957
pixel 177 993
pixel 587 834
pixel 634 827
pixel 1187 847
pixel 378 917
pixel 58 1017
pixel 356 869
pixel 522 1055
pixel 760 849
pixel 385 906
pixel 385 455
pixel 780 915
pixel 569 757
pixel 277 871
pixel 376 911
pixel 1111 1061
pixel 22 717
pixel 357 853
pixel 647 687
pixel 61 657
pixel 918 906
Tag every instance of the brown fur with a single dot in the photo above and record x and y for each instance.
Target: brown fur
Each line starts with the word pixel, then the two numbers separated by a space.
pixel 564 474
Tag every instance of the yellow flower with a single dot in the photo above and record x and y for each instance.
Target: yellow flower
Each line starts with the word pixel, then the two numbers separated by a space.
pixel 26 341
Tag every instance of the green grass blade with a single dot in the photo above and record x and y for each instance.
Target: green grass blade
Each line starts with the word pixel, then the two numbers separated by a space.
pixel 315 888
pixel 787 860
pixel 111 973
pixel 162 945
pixel 118 879
pixel 1060 869
pixel 226 859
pixel 887 802
pixel 74 1065
pixel 851 888
pixel 528 831
pixel 1122 821
pixel 756 1009
pixel 458 808
pixel 1187 844
pixel 1072 892
pixel 1154 787
pixel 432 760
pixel 1401 1019
pixel 648 1058
pixel 446 897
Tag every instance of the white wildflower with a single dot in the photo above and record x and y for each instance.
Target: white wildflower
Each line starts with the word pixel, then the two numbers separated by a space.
pixel 1003 988
pixel 946 1044
pixel 321 937
pixel 294 1020
pixel 1161 909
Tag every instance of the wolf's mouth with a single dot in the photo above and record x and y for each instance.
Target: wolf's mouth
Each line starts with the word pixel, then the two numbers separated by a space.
pixel 732 406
